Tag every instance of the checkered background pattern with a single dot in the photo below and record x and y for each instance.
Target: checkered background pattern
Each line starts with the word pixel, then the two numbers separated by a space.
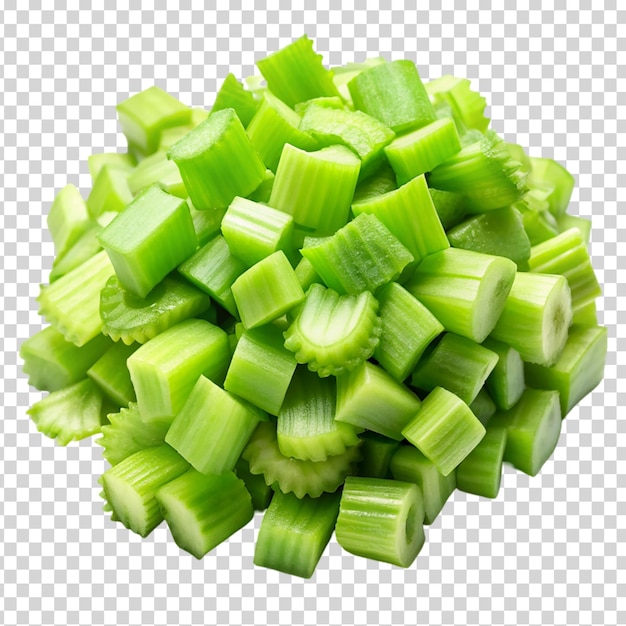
pixel 548 550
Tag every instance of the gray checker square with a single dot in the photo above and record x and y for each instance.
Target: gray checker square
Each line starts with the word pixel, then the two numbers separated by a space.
pixel 548 550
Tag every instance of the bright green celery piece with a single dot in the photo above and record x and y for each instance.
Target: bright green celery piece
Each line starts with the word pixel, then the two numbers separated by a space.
pixel 232 95
pixel 169 136
pixel 381 182
pixel 71 303
pixel 506 382
pixel 539 225
pixel 275 125
pixel 157 169
pixel 263 192
pixel 567 255
pixel 587 315
pixel 408 327
pixel 565 222
pixel 421 150
pixel 450 206
pixel 289 475
pixel 465 290
pixel 410 465
pixel 483 407
pixel 214 269
pixel 149 239
pixel 328 102
pixel 67 219
pixel 217 161
pixel 52 363
pixel 111 374
pixel 253 231
pixel 445 430
pixel 267 290
pixel 295 73
pixel 368 397
pixel 484 172
pixel 536 317
pixel 547 172
pixel 260 492
pixel 294 533
pixel 343 74
pixel 533 427
pixel 306 274
pixel 130 486
pixel 129 318
pixel 362 133
pixel 381 519
pixel 316 188
pixel 578 370
pixel 457 364
pixel 409 214
pixel 481 471
pixel 71 413
pixel 261 368
pixel 376 454
pixel 165 369
pixel 306 427
pixel 361 256
pixel 117 160
pixel 144 116
pixel 126 433
pixel 500 232
pixel 206 223
pixel 394 94
pixel 110 192
pixel 334 333
pixel 85 247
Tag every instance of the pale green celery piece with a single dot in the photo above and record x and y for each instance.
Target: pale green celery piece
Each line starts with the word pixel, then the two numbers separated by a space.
pixel 539 225
pixel 295 73
pixel 67 219
pixel 548 172
pixel 381 182
pixel 376 454
pixel 217 161
pixel 519 154
pixel 329 102
pixel 368 397
pixel 144 116
pixel 260 493
pixel 118 160
pixel 169 136
pixel 483 407
pixel 343 74
pixel 506 382
pixel 566 222
pixel 85 247
pixel 201 434
pixel 157 169
pixel 450 206
pixel 391 511
pixel 111 374
pixel 267 290
pixel 264 191
pixel 202 511
pixel 578 370
pixel 306 274
pixel 51 362
pixel 69 414
pixel 149 239
pixel 316 188
pixel 206 223
pixel 586 315
pixel 165 369
pixel 71 304
pixel 110 192
pixel 232 95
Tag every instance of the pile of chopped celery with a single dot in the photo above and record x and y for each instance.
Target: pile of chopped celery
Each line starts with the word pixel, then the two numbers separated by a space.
pixel 335 298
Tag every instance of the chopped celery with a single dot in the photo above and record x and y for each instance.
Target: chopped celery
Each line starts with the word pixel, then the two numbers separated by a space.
pixel 84 248
pixel 111 374
pixel 157 169
pixel 259 491
pixel 232 95
pixel 450 206
pixel 118 160
pixel 483 407
pixel 110 192
pixel 547 172
pixel 506 382
pixel 67 219
pixel 376 454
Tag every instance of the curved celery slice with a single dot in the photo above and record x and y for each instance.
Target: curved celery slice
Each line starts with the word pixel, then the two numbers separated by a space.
pixel 343 74
pixel 67 219
pixel 334 333
pixel 111 374
pixel 232 95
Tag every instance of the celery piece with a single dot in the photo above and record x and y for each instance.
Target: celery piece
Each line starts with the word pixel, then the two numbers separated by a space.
pixel 381 519
pixel 465 290
pixel 306 274
pixel 394 94
pixel 533 427
pixel 261 368
pixel 481 471
pixel 343 74
pixel 577 371
pixel 381 182
pixel 539 225
pixel 536 317
pixel 444 429
pixel 111 374
pixel 410 465
pixel 376 454
pixel 423 149
pixel 565 222
pixel 169 136
pixel 117 160
pixel 561 182
pixel 263 192
pixel 217 161
pixel 130 486
pixel 409 214
pixel 157 169
pixel 586 315
pixel 506 382
pixel 253 231
pixel 110 192
pixel 260 492
pixel 316 188
pixel 206 223
pixel 201 434
pixel 368 397
pixel 71 303
pixel 483 407
pixel 450 206
pixel 129 318
pixel 51 362
pixel 408 327
pixel 295 73
pixel 144 116
pixel 334 333
pixel 214 269
pixel 328 102
pixel 149 239
pixel 457 364
pixel 500 232
pixel 294 533
pixel 85 247
pixel 306 427
pixel 361 256
pixel 67 219
pixel 275 125
pixel 232 95
pixel 289 475
pixel 165 369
